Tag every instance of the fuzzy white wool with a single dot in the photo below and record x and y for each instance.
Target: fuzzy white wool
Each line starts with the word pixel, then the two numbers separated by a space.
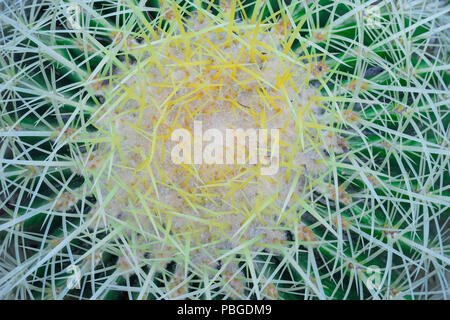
pixel 224 204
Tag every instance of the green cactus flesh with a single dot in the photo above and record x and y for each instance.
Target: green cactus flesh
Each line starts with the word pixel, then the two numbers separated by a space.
pixel 92 92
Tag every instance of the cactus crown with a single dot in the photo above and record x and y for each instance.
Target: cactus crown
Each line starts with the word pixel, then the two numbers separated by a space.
pixel 92 92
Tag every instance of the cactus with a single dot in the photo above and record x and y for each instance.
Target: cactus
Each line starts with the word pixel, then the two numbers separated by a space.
pixel 92 205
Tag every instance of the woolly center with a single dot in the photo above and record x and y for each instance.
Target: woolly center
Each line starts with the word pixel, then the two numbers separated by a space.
pixel 211 77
